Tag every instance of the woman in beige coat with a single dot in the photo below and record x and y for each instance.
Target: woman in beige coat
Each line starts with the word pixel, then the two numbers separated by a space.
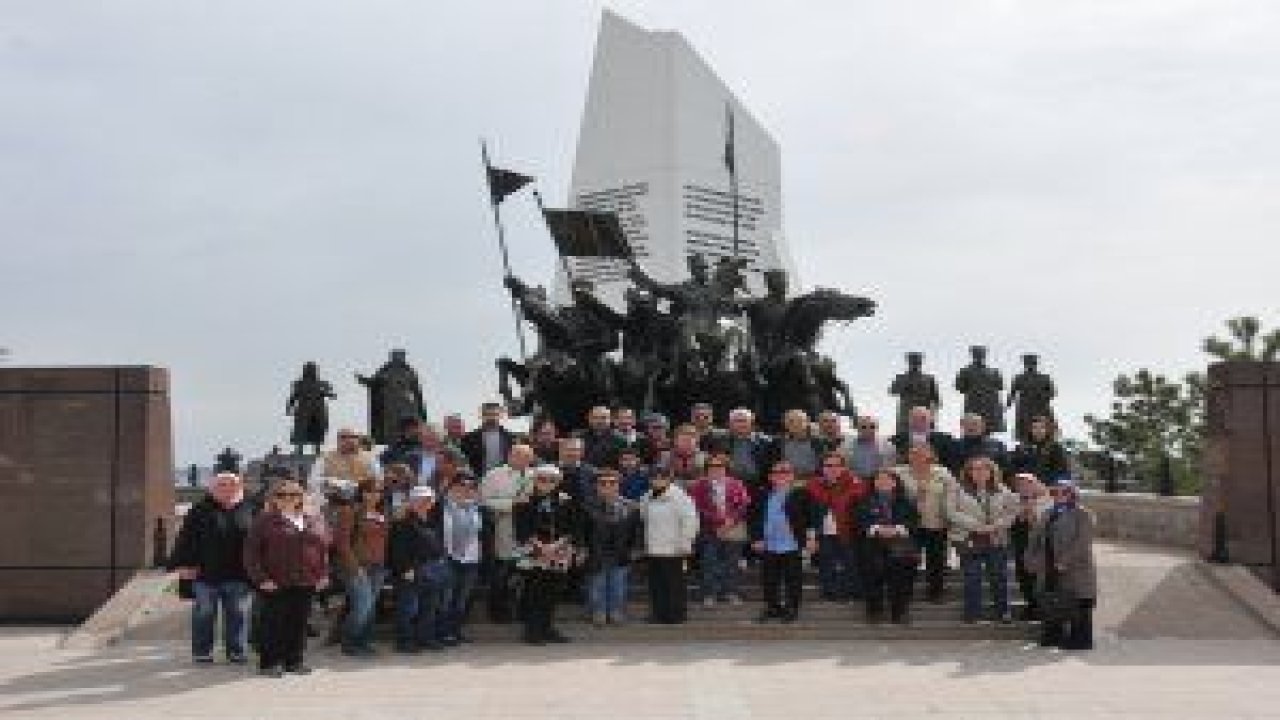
pixel 1060 553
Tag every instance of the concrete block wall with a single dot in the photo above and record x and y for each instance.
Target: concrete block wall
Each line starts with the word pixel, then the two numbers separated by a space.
pixel 1146 518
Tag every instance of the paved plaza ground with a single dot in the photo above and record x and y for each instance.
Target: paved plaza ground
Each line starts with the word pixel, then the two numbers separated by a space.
pixel 1171 645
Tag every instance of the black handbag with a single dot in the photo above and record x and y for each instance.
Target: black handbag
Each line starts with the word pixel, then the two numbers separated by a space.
pixel 186 589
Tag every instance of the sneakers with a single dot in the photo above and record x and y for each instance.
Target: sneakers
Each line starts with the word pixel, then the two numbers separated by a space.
pixel 599 619
pixel 275 671
pixel 735 600
pixel 708 603
pixel 237 659
pixel 618 619
pixel 202 659
pixel 299 669
pixel 557 638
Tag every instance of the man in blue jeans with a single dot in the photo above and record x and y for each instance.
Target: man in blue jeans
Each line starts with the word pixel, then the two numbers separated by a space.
pixel 209 554
pixel 415 555
pixel 463 523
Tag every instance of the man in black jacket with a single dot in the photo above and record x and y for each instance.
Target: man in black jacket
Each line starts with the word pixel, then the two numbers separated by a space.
pixel 781 525
pixel 487 446
pixel 419 569
pixel 209 553
pixel 600 443
pixel 975 442
pixel 920 430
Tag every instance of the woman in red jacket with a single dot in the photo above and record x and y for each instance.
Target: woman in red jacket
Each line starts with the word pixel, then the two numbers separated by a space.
pixel 722 502
pixel 287 558
pixel 835 492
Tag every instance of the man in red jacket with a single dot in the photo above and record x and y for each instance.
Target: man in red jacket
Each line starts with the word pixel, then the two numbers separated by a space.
pixel 835 492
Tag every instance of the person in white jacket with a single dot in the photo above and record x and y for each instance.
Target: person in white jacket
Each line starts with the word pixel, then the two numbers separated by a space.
pixel 670 527
pixel 500 489
pixel 979 512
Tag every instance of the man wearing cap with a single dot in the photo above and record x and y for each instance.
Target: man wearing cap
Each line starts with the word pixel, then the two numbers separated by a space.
pixel 500 489
pixel 416 559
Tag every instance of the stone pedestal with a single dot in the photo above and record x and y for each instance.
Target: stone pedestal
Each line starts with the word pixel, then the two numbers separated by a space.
pixel 86 471
pixel 1242 465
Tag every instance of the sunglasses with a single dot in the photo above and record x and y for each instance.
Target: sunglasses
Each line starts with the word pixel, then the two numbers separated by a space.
pixel 716 465
pixel 867 427
pixel 288 494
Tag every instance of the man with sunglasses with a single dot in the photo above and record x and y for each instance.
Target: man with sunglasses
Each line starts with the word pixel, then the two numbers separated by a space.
pixel 867 452
pixel 782 525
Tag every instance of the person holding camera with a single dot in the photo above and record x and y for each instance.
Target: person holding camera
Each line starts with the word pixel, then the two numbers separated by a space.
pixel 980 512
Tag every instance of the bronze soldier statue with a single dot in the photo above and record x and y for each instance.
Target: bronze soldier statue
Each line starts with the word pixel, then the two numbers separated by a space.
pixel 914 388
pixel 308 404
pixel 394 394
pixel 1033 392
pixel 697 303
pixel 981 387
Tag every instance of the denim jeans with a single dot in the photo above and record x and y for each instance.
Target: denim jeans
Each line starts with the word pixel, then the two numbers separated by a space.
pixel 607 590
pixel 837 569
pixel 417 605
pixel 718 564
pixel 456 597
pixel 993 563
pixel 234 598
pixel 362 599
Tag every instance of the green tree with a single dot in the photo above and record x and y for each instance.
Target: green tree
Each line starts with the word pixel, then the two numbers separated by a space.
pixel 1153 419
pixel 1245 341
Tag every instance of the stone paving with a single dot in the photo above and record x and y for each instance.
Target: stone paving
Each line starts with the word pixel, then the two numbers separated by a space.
pixel 1171 645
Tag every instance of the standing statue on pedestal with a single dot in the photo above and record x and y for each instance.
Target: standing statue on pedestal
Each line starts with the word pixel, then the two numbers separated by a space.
pixel 394 395
pixel 1033 392
pixel 981 387
pixel 308 404
pixel 914 388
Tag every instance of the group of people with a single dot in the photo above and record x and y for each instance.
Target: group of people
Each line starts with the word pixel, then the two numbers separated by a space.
pixel 550 518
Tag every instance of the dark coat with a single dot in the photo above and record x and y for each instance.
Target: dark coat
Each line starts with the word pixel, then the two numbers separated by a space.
pixel 472 445
pixel 1046 460
pixel 610 536
pixel 548 518
pixel 801 514
pixel 404 450
pixel 1067 539
pixel 943 446
pixel 212 540
pixel 600 448
pixel 578 481
pixel 413 541
pixel 963 448
pixel 278 551
pixel 876 553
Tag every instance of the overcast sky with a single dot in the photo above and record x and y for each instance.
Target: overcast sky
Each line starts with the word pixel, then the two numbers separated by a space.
pixel 229 188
